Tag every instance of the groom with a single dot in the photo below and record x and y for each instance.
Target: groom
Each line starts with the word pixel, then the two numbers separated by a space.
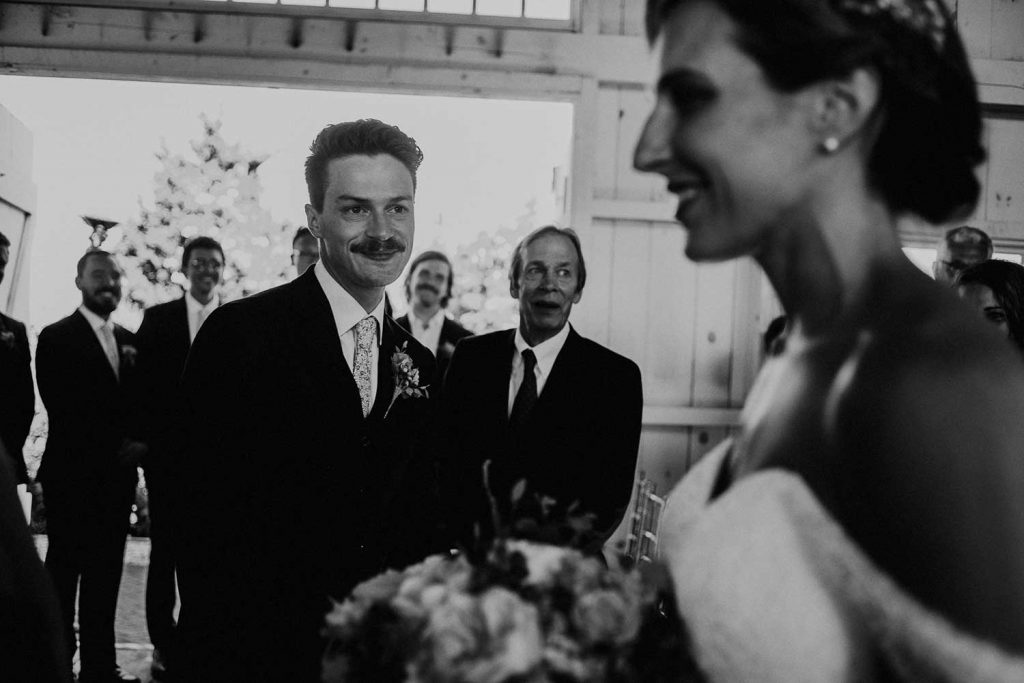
pixel 305 473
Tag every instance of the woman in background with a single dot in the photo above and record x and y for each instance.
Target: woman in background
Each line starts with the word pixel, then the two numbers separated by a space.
pixel 867 520
pixel 996 290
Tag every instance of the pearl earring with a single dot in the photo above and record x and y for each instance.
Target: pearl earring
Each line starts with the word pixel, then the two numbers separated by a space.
pixel 830 144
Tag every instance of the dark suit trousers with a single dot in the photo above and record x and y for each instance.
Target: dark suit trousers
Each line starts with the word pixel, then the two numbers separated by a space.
pixel 87 529
pixel 160 589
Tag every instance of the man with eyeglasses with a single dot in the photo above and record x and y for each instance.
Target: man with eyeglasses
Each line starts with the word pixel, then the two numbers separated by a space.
pixel 164 338
pixel 960 248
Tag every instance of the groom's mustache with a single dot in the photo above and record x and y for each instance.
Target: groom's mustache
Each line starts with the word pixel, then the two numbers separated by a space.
pixel 375 247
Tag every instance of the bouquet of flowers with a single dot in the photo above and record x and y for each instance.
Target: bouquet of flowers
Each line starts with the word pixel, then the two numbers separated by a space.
pixel 524 612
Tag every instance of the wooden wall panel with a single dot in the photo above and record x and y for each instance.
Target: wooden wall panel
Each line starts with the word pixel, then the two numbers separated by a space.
pixel 671 286
pixel 605 170
pixel 634 106
pixel 1004 188
pixel 713 332
pixel 974 19
pixel 664 454
pixel 1007 30
pixel 611 17
pixel 633 17
pixel 631 253
pixel 591 315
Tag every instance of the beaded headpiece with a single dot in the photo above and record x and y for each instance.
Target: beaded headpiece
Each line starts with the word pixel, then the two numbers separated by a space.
pixel 924 17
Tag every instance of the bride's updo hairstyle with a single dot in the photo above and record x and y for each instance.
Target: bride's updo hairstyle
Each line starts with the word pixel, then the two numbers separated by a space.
pixel 929 136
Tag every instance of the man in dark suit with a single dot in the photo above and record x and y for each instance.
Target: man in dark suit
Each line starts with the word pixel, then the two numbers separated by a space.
pixel 18 396
pixel 163 340
pixel 304 463
pixel 88 473
pixel 428 288
pixel 541 402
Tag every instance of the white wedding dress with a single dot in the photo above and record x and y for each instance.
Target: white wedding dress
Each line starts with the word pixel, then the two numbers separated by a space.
pixel 771 589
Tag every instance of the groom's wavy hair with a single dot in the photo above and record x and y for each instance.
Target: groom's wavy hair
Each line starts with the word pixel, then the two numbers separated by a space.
pixel 368 137
pixel 928 124
pixel 515 269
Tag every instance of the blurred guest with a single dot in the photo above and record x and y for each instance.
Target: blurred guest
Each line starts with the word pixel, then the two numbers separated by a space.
pixel 18 397
pixel 89 465
pixel 164 339
pixel 996 290
pixel 305 250
pixel 32 646
pixel 428 288
pixel 960 248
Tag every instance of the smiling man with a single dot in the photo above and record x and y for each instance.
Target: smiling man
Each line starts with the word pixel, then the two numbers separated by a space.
pixel 305 471
pixel 84 366
pixel 541 402
pixel 164 338
pixel 428 288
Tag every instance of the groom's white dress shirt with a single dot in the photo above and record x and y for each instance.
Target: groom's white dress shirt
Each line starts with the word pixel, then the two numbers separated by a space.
pixel 347 313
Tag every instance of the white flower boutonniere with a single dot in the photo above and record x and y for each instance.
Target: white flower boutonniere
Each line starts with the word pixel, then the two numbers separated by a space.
pixel 7 338
pixel 407 378
pixel 128 355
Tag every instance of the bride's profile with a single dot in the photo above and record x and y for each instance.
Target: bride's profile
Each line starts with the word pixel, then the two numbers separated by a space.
pixel 868 517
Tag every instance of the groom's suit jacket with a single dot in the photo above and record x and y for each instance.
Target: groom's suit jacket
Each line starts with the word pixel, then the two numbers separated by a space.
pixel 292 496
pixel 580 441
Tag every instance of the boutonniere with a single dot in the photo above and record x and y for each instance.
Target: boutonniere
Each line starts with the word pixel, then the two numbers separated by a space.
pixel 7 338
pixel 128 355
pixel 407 378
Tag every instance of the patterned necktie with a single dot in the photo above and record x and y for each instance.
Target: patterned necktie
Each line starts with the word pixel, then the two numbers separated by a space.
pixel 527 395
pixel 110 348
pixel 366 335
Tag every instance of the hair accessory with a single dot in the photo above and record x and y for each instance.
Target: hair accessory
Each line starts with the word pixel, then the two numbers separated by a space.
pixel 830 144
pixel 921 16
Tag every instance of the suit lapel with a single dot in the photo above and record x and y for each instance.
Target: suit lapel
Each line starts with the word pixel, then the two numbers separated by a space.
pixel 92 343
pixel 182 317
pixel 385 373
pixel 326 371
pixel 503 374
pixel 559 382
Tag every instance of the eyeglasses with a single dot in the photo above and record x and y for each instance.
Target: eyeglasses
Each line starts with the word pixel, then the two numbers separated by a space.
pixel 205 264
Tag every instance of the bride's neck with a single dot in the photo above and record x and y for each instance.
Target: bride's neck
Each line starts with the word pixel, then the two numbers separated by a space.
pixel 820 261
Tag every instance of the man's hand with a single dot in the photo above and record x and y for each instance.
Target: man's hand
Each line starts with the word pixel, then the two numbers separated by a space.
pixel 131 452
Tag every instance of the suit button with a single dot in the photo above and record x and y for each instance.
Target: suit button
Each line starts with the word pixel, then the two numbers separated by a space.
pixel 365 441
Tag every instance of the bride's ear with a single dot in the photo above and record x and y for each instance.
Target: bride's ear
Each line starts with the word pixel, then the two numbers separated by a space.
pixel 844 109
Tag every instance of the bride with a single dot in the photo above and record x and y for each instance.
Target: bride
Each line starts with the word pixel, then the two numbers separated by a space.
pixel 868 518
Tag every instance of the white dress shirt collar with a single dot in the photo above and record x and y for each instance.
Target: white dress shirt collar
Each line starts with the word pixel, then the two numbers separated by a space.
pixel 193 307
pixel 346 310
pixel 430 334
pixel 546 352
pixel 95 322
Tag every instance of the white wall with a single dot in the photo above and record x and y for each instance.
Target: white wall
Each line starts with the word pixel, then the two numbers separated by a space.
pixel 17 203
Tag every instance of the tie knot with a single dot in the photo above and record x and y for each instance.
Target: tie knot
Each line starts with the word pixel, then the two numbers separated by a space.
pixel 529 360
pixel 367 327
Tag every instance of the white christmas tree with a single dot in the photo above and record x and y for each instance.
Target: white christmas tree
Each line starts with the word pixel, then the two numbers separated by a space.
pixel 215 193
